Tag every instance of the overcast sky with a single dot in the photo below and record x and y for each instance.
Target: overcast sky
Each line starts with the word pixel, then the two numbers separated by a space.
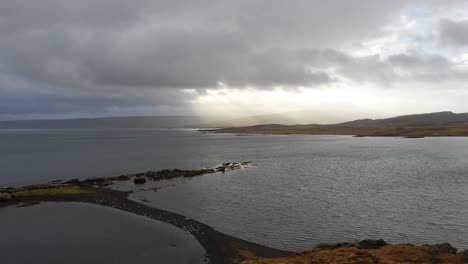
pixel 349 59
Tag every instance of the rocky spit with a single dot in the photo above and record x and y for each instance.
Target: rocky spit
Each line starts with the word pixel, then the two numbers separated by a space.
pixel 137 178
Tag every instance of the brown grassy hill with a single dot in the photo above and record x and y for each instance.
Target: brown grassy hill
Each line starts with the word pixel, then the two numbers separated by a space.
pixel 371 252
pixel 422 125
pixel 429 119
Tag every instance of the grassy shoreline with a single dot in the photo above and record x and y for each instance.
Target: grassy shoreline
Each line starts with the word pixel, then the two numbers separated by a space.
pixel 458 130
pixel 372 252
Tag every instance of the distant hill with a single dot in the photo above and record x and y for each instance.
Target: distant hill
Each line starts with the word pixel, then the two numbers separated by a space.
pixel 251 121
pixel 106 122
pixel 284 118
pixel 414 126
pixel 438 118
pixel 276 122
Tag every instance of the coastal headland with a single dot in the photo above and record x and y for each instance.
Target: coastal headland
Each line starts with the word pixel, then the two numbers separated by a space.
pixel 367 131
pixel 409 126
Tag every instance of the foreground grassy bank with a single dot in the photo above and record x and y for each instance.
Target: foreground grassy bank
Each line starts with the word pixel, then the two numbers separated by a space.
pixel 361 131
pixel 371 252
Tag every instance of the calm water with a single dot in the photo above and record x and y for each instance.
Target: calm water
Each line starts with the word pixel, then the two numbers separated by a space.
pixel 79 233
pixel 304 190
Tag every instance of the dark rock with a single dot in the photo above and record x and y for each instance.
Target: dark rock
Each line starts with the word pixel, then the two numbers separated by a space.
pixel 7 190
pixel 155 177
pixel 103 183
pixel 10 190
pixel 38 187
pixel 442 248
pixel 73 181
pixel 158 175
pixel 414 136
pixel 139 180
pixel 144 200
pixel 150 173
pixel 56 181
pixel 123 178
pixel 371 244
pixel 95 180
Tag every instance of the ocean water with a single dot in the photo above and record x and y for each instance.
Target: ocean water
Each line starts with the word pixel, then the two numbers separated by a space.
pixel 304 190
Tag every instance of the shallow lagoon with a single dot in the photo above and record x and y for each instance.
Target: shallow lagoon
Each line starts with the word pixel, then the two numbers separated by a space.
pixel 57 233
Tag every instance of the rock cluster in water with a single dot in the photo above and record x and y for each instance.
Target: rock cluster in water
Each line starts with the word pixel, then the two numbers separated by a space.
pixel 138 178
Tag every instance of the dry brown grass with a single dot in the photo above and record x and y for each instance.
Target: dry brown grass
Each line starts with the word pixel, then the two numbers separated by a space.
pixel 407 131
pixel 5 196
pixel 391 254
pixel 72 190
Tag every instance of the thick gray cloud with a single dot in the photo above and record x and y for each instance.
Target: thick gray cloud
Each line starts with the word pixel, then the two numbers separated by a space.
pixel 454 32
pixel 72 56
pixel 169 44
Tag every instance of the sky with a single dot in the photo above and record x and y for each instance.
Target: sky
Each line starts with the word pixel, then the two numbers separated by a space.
pixel 327 60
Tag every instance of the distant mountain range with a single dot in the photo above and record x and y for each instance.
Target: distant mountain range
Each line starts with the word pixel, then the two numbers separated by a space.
pixel 106 122
pixel 438 118
pixel 253 122
pixel 414 126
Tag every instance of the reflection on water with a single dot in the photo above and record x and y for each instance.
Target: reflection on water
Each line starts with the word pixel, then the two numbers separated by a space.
pixel 57 233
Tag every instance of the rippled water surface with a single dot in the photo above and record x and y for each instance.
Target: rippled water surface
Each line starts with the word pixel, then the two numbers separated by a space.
pixel 303 191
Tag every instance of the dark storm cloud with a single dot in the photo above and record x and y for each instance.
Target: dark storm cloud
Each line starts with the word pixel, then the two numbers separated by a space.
pixel 170 44
pixel 454 32
pixel 118 53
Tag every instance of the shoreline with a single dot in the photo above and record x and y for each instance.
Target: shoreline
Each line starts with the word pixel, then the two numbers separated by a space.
pixel 220 248
pixel 407 131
